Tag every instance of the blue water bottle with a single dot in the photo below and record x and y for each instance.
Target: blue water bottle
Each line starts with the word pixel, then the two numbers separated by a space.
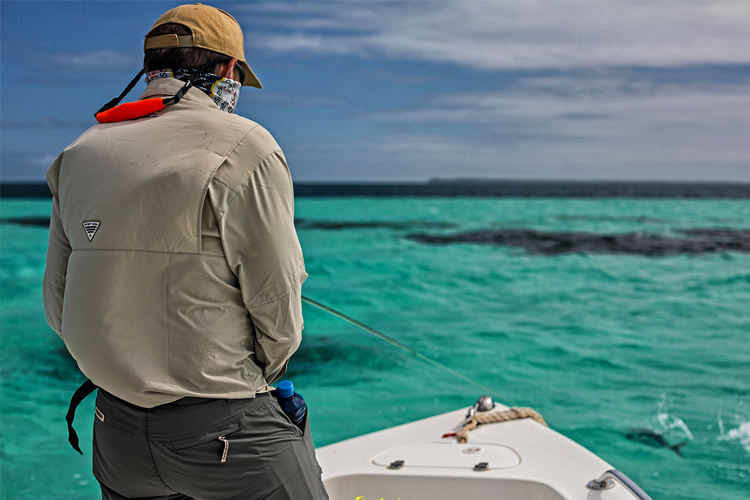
pixel 292 403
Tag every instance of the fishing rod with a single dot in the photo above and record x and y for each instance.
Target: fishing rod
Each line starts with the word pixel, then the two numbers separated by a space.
pixel 406 348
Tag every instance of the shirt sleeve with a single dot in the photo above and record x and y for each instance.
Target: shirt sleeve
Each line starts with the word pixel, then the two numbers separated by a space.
pixel 58 252
pixel 261 247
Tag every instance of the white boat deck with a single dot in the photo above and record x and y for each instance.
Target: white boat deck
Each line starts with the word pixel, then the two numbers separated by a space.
pixel 525 460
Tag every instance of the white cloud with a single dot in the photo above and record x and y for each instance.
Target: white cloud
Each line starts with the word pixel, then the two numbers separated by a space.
pixel 584 99
pixel 593 127
pixel 601 121
pixel 43 122
pixel 509 34
pixel 44 160
pixel 100 60
pixel 21 166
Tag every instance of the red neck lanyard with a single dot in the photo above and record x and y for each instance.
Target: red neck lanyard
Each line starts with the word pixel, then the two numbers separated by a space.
pixel 111 112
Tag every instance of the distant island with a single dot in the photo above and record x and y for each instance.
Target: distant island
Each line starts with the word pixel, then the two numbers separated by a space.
pixel 477 188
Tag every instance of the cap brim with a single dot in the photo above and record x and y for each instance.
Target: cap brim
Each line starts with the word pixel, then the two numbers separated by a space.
pixel 250 79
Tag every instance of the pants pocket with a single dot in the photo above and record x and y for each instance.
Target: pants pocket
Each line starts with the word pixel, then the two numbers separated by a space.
pixel 266 457
pixel 279 413
pixel 221 437
pixel 303 432
pixel 205 438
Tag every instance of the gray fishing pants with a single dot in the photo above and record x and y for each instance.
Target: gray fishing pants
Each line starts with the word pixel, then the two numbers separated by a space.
pixel 203 449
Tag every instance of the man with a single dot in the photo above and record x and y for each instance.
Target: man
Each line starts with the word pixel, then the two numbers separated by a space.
pixel 174 274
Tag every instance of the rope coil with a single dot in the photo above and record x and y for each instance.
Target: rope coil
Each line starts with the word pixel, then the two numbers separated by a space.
pixel 497 416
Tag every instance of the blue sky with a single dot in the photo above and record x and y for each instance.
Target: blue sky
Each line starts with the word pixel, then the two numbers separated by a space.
pixel 409 91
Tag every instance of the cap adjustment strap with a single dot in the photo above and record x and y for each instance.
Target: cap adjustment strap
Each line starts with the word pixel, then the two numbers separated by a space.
pixel 166 41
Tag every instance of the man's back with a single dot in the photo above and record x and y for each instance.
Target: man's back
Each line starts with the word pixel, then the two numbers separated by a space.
pixel 152 309
pixel 174 278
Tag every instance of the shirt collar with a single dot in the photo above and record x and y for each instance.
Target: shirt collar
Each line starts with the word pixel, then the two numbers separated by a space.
pixel 166 87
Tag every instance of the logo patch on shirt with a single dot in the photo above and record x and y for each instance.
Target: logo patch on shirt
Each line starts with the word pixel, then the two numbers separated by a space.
pixel 90 226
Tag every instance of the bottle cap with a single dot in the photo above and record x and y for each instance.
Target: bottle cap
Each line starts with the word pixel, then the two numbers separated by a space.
pixel 286 389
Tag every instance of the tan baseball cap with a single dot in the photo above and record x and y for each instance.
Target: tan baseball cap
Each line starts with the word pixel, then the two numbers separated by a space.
pixel 213 29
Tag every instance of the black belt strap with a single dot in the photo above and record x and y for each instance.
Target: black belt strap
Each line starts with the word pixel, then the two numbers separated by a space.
pixel 87 388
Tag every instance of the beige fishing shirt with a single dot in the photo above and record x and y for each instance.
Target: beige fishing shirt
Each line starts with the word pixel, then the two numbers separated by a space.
pixel 173 266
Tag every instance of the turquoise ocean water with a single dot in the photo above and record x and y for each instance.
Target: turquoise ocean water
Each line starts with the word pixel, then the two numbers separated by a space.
pixel 596 342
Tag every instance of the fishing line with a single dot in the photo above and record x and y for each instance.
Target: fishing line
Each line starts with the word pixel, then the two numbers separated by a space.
pixel 406 348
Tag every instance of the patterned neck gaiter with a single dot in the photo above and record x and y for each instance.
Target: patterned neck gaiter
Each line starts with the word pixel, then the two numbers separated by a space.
pixel 223 91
